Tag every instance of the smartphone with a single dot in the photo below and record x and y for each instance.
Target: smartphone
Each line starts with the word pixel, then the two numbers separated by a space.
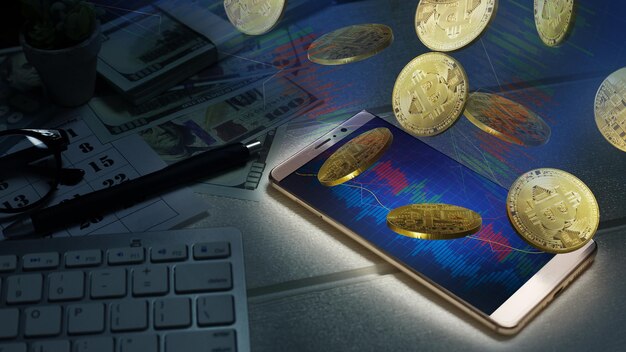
pixel 493 275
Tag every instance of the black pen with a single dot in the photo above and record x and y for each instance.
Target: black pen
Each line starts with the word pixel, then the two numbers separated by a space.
pixel 48 220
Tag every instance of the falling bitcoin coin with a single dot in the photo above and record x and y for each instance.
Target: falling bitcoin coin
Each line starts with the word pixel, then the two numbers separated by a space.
pixel 430 94
pixel 434 221
pixel 610 109
pixel 350 44
pixel 553 210
pixel 254 17
pixel 506 119
pixel 553 19
pixel 446 25
pixel 354 157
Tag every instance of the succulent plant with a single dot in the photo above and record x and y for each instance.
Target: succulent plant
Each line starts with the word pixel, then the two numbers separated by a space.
pixel 58 24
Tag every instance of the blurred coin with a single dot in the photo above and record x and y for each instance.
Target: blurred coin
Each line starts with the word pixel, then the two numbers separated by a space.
pixel 434 221
pixel 350 44
pixel 354 157
pixel 553 19
pixel 430 94
pixel 610 109
pixel 254 17
pixel 506 119
pixel 553 210
pixel 446 25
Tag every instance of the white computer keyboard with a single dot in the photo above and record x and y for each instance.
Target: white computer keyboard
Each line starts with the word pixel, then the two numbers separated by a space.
pixel 181 291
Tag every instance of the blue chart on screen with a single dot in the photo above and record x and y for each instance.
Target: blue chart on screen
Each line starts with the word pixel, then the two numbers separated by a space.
pixel 483 269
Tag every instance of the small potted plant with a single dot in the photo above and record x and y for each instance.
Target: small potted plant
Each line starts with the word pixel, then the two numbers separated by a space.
pixel 61 39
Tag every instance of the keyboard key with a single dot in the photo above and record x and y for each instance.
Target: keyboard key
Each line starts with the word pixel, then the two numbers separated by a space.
pixel 10 319
pixel 200 341
pixel 129 316
pixel 211 250
pixel 203 277
pixel 80 259
pixel 51 346
pixel 12 347
pixel 42 321
pixel 138 343
pixel 171 253
pixel 85 318
pixel 150 280
pixel 130 255
pixel 108 283
pixel 172 313
pixel 215 310
pixel 7 263
pixel 37 261
pixel 24 288
pixel 96 344
pixel 66 286
pixel 70 297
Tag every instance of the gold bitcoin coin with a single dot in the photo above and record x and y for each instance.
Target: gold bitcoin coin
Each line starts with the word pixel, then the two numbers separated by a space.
pixel 446 25
pixel 430 94
pixel 506 119
pixel 254 17
pixel 553 19
pixel 610 109
pixel 350 44
pixel 434 221
pixel 354 157
pixel 553 210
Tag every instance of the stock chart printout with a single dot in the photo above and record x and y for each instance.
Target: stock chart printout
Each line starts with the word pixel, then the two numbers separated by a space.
pixel 483 269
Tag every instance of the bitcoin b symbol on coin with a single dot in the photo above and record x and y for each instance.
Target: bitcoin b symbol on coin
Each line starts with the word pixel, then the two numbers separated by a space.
pixel 265 9
pixel 553 210
pixel 553 9
pixel 610 109
pixel 553 19
pixel 451 17
pixel 553 12
pixel 429 95
pixel 254 17
pixel 446 25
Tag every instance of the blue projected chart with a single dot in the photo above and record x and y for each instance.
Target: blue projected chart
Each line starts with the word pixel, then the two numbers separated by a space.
pixel 483 269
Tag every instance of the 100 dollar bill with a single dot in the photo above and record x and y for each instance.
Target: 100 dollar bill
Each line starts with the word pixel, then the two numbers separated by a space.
pixel 114 118
pixel 243 117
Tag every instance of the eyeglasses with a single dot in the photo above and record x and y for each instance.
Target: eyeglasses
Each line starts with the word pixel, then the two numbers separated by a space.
pixel 31 168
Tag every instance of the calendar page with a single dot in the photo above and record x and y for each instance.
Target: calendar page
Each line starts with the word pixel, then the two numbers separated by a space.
pixel 106 165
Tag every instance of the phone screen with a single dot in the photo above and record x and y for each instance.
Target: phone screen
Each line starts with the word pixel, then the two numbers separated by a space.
pixel 483 269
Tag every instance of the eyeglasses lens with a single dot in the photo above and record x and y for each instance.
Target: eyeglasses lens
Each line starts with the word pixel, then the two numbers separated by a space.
pixel 28 172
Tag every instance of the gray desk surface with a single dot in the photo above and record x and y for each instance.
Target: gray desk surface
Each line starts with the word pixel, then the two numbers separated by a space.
pixel 313 289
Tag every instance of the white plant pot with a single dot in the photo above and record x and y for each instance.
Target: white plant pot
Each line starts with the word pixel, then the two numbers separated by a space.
pixel 69 74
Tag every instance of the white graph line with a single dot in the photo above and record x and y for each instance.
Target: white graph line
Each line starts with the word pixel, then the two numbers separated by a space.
pixel 262 63
pixel 493 175
pixel 135 22
pixel 458 155
pixel 245 58
pixel 491 64
pixel 267 80
pixel 509 248
pixel 367 190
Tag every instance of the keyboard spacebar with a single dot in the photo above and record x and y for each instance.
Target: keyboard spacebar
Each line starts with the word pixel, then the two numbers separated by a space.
pixel 200 341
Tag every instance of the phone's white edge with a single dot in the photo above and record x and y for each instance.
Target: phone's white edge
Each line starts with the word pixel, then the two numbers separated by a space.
pixel 515 312
pixel 543 287
pixel 298 160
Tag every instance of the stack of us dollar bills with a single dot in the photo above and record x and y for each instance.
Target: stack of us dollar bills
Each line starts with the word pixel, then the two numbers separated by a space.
pixel 147 51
